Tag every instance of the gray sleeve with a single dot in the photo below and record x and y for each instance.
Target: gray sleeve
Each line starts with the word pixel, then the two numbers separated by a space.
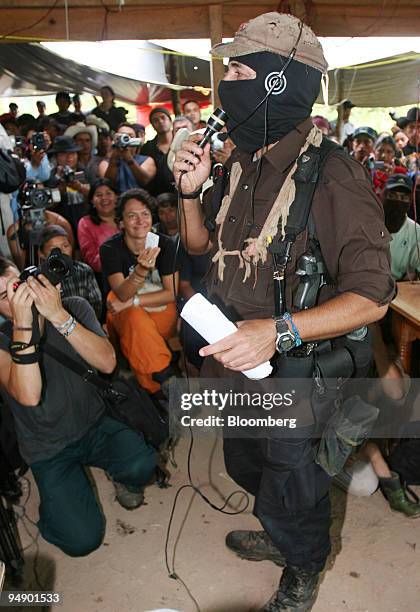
pixel 83 312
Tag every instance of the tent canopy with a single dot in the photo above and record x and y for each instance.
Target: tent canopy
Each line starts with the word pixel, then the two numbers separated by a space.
pixel 391 81
pixel 29 69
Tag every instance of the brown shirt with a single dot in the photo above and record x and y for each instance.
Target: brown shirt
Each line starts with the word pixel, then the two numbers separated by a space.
pixel 349 224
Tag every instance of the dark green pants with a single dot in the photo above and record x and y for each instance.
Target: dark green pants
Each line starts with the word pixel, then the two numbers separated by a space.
pixel 69 516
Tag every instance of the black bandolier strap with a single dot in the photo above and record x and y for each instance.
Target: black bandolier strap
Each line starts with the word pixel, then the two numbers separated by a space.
pixel 309 169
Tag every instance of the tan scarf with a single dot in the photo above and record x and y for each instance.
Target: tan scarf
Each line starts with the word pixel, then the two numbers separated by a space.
pixel 256 250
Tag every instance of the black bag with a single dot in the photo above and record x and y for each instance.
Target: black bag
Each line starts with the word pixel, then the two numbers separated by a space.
pixel 125 400
pixel 12 172
pixel 405 460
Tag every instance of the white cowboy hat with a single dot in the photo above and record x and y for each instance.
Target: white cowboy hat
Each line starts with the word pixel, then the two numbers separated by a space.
pixel 101 124
pixel 79 128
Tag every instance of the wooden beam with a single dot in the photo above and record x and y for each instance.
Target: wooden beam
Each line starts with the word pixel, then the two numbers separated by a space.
pixel 216 35
pixel 192 20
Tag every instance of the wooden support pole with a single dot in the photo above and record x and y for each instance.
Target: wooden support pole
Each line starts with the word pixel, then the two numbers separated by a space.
pixel 217 70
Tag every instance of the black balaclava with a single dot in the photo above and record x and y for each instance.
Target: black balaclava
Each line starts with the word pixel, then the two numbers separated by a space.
pixel 395 214
pixel 289 104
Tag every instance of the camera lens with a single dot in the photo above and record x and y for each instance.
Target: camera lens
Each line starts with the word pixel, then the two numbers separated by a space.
pixel 58 266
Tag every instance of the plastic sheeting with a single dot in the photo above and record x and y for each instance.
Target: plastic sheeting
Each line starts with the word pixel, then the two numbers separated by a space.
pixel 31 70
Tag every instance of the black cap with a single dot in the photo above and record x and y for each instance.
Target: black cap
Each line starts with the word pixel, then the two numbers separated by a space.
pixel 366 131
pixel 64 144
pixel 401 181
pixel 347 104
pixel 159 109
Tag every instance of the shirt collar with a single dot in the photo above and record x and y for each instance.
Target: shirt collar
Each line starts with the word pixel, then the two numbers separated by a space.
pixel 285 152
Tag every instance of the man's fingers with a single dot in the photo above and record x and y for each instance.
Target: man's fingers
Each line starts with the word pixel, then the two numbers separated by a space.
pixel 189 158
pixel 10 287
pixel 219 347
pixel 192 147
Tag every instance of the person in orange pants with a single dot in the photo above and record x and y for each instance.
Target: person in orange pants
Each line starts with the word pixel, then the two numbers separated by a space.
pixel 143 283
pixel 142 338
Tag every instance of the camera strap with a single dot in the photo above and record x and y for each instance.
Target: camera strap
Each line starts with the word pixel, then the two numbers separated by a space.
pixel 87 374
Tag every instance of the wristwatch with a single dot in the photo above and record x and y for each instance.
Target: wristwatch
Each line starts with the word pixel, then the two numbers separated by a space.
pixel 285 338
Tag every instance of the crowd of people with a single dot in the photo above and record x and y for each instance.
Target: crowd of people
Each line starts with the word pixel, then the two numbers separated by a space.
pixel 95 190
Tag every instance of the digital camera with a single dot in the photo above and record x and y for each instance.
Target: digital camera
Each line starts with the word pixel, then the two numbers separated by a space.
pixel 122 141
pixel 56 268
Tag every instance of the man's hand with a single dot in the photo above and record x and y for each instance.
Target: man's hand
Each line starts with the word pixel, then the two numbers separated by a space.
pixel 127 154
pixel 195 162
pixel 47 299
pixel 253 344
pixel 21 302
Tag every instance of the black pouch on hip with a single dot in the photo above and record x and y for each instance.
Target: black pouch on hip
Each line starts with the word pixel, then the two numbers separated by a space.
pixel 347 428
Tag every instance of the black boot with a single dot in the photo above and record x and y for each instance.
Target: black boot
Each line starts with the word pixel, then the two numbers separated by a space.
pixel 254 546
pixel 296 593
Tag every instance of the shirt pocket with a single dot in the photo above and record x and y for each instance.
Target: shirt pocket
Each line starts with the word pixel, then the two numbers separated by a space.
pixel 258 298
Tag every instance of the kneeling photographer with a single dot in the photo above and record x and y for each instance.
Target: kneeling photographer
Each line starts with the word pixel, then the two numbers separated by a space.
pixel 60 420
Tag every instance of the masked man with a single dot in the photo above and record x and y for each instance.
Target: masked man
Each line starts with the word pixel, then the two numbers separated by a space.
pixel 273 79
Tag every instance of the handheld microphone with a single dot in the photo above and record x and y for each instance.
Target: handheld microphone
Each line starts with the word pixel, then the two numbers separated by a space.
pixel 215 123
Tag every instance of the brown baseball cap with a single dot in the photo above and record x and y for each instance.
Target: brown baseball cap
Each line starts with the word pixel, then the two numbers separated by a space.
pixel 277 33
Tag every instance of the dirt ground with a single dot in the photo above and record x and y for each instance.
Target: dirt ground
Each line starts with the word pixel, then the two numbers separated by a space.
pixel 374 567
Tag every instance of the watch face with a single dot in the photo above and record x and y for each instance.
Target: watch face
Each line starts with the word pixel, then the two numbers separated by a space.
pixel 285 342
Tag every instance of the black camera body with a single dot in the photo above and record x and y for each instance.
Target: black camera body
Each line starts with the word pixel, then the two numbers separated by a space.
pixel 69 175
pixel 122 141
pixel 33 197
pixel 56 268
pixel 38 141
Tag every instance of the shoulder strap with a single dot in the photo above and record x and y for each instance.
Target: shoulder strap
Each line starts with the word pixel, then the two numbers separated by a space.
pixel 309 169
pixel 88 374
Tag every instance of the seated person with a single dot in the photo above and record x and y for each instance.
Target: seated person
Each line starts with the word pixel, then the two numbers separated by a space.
pixel 99 224
pixel 69 177
pixel 126 169
pixel 141 305
pixel 369 469
pixel 405 264
pixel 397 198
pixel 167 208
pixel 82 281
pixel 85 137
pixel 36 163
pixel 61 422
pixel 386 154
pixel 363 142
pixel 23 235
